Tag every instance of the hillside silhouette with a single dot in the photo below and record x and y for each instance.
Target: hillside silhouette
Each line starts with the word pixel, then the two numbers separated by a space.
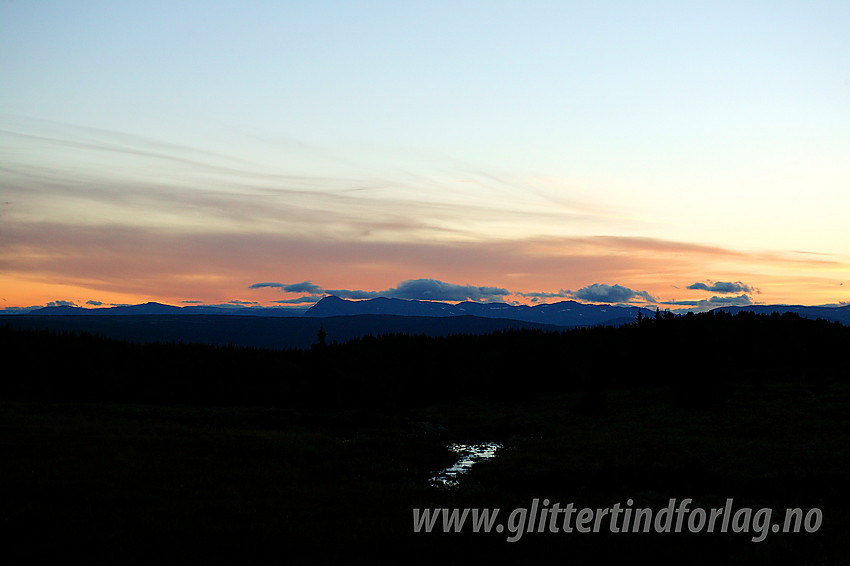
pixel 316 454
pixel 696 352
pixel 269 332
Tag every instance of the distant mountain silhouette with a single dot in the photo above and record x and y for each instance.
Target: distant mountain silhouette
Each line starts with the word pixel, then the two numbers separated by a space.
pixel 257 331
pixel 146 308
pixel 564 313
pixel 159 308
pixel 835 314
pixel 63 310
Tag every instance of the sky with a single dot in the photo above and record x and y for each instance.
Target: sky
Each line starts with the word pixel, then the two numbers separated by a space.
pixel 677 154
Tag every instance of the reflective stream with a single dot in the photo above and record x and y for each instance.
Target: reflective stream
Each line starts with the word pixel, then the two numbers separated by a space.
pixel 469 454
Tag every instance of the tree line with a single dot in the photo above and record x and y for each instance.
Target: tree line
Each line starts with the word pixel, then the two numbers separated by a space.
pixel 696 354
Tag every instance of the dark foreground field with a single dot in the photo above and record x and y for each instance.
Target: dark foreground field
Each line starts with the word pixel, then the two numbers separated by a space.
pixel 327 469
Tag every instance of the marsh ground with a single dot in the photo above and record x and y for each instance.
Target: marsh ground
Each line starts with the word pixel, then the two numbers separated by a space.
pixel 136 483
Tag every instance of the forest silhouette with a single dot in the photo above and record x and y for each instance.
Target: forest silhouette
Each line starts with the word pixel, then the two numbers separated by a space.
pixel 695 353
pixel 217 453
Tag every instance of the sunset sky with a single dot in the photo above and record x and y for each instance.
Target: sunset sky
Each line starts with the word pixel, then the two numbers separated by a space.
pixel 679 154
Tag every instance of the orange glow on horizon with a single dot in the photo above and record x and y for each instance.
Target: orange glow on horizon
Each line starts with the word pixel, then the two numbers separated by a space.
pixel 130 266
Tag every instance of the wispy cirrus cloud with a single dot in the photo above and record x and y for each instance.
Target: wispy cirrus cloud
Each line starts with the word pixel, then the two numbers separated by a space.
pixel 119 263
pixel 85 186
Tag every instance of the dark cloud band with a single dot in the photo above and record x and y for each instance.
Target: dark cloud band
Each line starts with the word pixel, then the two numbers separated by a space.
pixel 418 289
pixel 722 287
pixel 436 290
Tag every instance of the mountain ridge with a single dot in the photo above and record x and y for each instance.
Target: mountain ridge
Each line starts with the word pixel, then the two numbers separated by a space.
pixel 563 313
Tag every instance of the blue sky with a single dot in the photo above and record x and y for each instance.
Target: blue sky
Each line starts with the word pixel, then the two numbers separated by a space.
pixel 547 130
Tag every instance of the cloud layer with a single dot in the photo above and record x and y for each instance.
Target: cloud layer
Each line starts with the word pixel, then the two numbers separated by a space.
pixel 596 293
pixel 119 264
pixel 436 290
pixel 418 289
pixel 714 302
pixel 722 287
pixel 601 293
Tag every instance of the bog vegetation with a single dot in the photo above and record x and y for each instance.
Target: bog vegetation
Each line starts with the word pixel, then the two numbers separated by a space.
pixel 117 451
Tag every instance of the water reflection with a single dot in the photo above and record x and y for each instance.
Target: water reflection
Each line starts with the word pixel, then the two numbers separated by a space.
pixel 469 455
